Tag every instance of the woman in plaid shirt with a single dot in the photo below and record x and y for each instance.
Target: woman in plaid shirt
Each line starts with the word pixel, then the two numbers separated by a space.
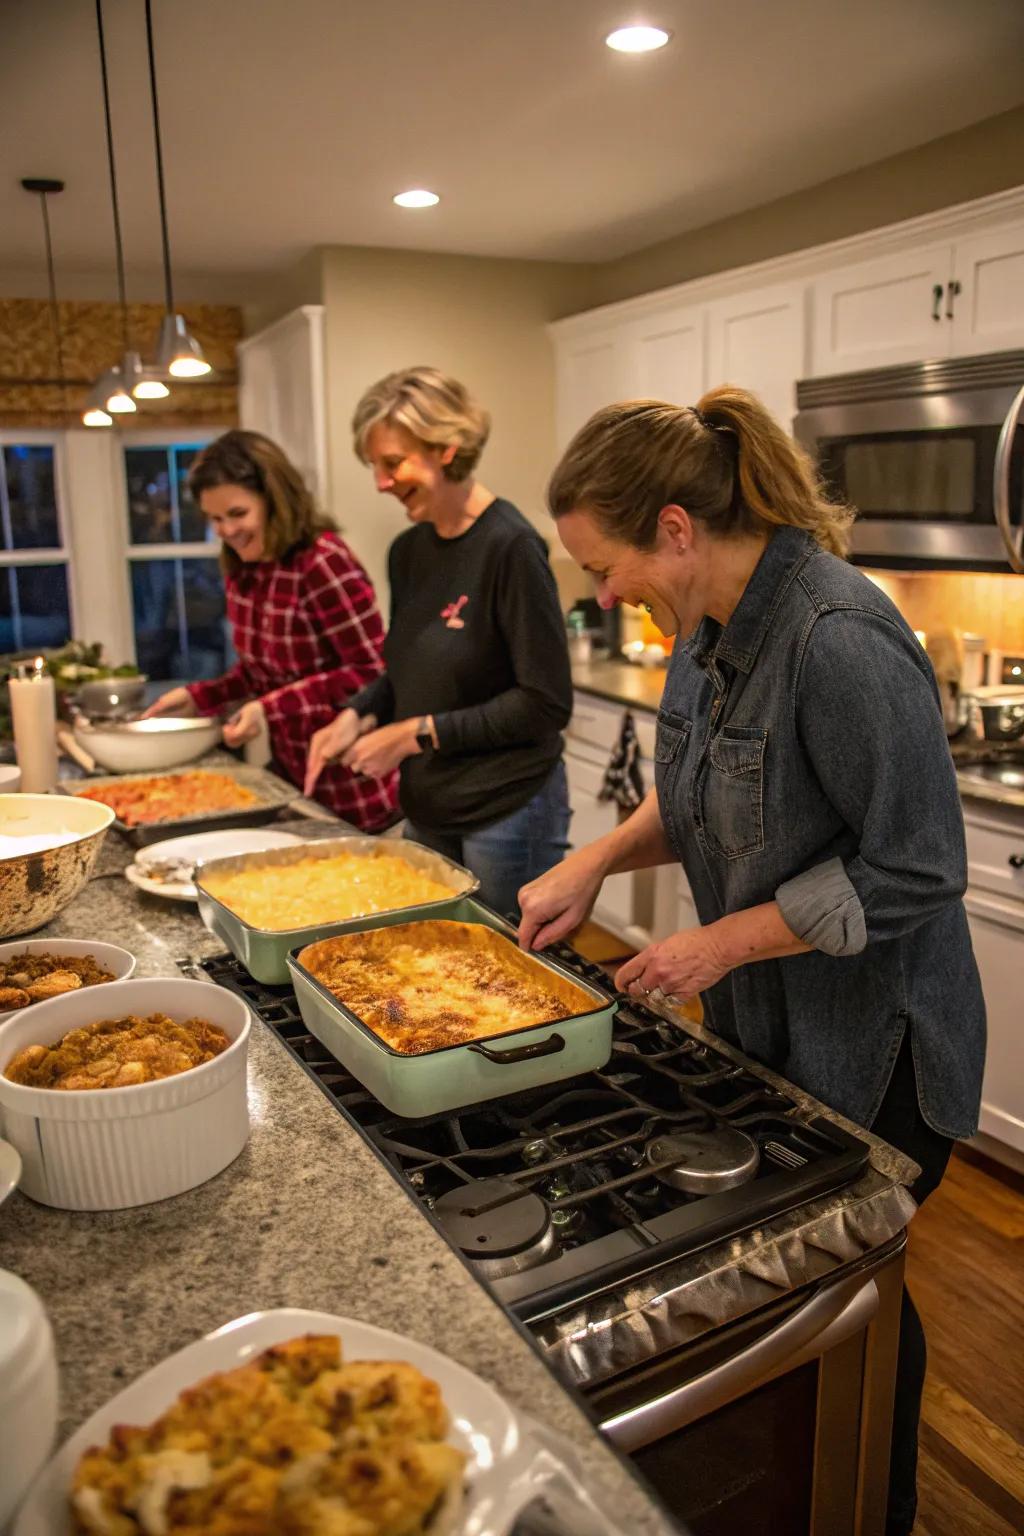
pixel 303 617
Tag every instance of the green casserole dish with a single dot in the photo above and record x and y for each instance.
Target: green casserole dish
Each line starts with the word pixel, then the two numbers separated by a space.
pixel 436 1082
pixel 264 951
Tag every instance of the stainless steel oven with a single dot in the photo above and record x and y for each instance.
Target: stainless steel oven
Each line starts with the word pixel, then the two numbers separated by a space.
pixel 779 1423
pixel 932 457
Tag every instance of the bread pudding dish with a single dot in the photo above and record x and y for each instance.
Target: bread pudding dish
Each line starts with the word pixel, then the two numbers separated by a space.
pixel 322 890
pixel 33 978
pixel 422 987
pixel 118 1053
pixel 295 1443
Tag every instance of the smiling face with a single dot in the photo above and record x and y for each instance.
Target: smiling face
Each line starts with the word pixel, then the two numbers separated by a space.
pixel 407 469
pixel 239 517
pixel 667 578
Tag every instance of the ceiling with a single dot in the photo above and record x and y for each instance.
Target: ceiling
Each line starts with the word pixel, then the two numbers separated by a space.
pixel 290 123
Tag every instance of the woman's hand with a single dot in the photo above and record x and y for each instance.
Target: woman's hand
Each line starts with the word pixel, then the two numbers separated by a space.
pixel 559 901
pixel 245 724
pixel 333 741
pixel 176 701
pixel 679 967
pixel 379 752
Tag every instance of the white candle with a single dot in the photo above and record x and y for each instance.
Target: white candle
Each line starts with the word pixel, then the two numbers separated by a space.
pixel 34 717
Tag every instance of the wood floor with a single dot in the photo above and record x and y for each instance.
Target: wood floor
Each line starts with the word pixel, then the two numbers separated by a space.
pixel 966 1275
pixel 965 1271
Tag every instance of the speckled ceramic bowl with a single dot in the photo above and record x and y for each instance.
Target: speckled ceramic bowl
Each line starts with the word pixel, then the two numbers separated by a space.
pixel 35 886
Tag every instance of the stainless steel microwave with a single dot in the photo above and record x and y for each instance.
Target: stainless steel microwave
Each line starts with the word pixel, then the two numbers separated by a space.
pixel 932 457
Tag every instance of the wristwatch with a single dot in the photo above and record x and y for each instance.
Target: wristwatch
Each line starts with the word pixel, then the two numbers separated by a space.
pixel 424 740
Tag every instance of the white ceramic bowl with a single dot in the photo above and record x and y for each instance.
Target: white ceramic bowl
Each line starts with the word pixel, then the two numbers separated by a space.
pixel 10 778
pixel 118 961
pixel 106 1148
pixel 28 1390
pixel 64 835
pixel 144 746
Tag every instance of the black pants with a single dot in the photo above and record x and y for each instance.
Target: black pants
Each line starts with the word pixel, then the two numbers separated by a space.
pixel 900 1122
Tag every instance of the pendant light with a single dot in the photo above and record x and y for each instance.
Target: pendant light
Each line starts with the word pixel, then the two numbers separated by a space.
pixel 44 187
pixel 178 352
pixel 118 401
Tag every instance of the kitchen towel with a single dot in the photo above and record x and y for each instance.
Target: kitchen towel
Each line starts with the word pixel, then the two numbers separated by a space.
pixel 623 778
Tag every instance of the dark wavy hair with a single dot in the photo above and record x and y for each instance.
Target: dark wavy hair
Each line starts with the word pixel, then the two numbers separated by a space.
pixel 254 462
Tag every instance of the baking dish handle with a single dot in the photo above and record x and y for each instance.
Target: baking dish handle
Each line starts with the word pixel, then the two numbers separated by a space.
pixel 549 1047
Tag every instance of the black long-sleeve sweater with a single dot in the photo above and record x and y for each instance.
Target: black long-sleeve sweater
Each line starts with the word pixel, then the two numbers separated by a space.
pixel 477 640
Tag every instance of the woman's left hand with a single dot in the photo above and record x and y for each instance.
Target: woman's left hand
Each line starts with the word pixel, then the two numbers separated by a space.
pixel 679 967
pixel 245 724
pixel 379 752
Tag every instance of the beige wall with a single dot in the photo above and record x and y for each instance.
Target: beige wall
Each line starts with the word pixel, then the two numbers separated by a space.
pixel 481 320
pixel 985 158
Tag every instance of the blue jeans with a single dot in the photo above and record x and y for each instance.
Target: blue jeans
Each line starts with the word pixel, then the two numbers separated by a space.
pixel 509 853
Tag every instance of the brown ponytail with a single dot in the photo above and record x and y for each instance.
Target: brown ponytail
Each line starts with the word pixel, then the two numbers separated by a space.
pixel 726 461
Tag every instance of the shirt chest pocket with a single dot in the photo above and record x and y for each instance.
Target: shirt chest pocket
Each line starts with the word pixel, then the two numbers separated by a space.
pixel 732 791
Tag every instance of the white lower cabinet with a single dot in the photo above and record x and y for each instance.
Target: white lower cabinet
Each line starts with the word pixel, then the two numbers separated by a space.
pixel 997 932
pixel 625 903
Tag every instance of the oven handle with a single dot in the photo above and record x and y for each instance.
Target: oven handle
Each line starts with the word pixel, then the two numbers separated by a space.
pixel 827 1319
pixel 1013 538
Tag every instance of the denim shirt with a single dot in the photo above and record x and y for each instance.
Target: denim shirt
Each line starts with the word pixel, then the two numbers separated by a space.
pixel 801 757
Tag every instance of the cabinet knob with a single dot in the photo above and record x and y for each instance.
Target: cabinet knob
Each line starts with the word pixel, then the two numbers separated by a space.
pixel 1016 861
pixel 937 302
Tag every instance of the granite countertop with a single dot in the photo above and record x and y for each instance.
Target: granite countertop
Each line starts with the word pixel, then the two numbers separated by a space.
pixel 306 1217
pixel 635 687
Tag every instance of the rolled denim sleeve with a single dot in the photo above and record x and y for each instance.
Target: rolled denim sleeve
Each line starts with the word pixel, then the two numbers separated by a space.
pixel 868 716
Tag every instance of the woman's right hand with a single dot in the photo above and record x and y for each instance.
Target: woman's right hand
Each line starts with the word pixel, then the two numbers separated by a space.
pixel 332 741
pixel 176 701
pixel 558 902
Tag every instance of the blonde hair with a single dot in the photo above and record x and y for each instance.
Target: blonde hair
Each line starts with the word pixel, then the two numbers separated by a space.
pixel 726 461
pixel 434 407
pixel 257 464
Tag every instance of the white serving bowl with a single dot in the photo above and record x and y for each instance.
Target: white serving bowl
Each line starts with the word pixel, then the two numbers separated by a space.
pixel 35 886
pixel 10 778
pixel 144 746
pixel 109 956
pixel 28 1390
pixel 105 1148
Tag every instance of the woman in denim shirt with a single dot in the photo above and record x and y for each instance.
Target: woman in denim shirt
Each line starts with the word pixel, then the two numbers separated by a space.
pixel 803 780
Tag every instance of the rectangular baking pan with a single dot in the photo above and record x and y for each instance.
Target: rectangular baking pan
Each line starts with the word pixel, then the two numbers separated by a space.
pixel 264 951
pixel 438 1082
pixel 274 794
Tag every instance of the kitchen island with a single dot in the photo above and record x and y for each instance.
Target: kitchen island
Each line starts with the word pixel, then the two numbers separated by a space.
pixel 306 1217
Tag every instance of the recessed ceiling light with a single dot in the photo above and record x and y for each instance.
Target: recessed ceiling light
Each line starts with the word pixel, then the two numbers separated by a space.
pixel 418 198
pixel 637 39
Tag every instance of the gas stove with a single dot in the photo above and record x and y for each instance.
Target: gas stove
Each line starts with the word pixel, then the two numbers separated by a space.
pixel 554 1194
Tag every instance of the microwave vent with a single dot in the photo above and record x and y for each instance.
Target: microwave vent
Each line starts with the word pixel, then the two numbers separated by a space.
pixel 941 376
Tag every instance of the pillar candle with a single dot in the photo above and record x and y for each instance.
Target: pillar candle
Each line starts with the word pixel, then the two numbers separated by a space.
pixel 34 717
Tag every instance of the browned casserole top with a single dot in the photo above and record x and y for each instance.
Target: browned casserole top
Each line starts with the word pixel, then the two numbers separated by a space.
pixel 32 978
pixel 424 986
pixel 118 1053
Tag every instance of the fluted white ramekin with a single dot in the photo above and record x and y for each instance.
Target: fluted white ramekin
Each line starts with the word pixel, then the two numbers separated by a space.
pixel 105 1148
pixel 28 1390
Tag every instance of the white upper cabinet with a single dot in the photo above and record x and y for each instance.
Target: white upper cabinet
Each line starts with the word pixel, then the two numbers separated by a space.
pixel 593 369
pixel 988 310
pixel 885 311
pixel 281 390
pixel 759 341
pixel 667 356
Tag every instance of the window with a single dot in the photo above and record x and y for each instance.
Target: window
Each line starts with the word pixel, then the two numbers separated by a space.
pixel 177 590
pixel 35 612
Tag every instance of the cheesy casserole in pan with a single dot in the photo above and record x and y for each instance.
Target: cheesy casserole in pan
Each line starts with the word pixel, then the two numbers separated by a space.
pixel 424 986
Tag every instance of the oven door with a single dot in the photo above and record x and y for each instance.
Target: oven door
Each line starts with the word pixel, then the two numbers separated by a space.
pixel 937 480
pixel 780 1425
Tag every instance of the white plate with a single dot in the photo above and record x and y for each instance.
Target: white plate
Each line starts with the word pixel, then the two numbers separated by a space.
pixel 199 847
pixel 508 1462
pixel 10 1170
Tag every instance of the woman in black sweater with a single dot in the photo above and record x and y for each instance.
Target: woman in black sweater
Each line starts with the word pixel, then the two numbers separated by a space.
pixel 477 688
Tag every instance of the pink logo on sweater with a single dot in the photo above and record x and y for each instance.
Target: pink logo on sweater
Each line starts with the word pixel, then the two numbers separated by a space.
pixel 451 613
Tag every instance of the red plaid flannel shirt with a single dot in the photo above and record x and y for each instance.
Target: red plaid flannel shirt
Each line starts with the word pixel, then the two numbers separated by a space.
pixel 308 635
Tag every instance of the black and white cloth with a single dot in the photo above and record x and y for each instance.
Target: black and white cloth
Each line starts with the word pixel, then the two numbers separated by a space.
pixel 623 778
